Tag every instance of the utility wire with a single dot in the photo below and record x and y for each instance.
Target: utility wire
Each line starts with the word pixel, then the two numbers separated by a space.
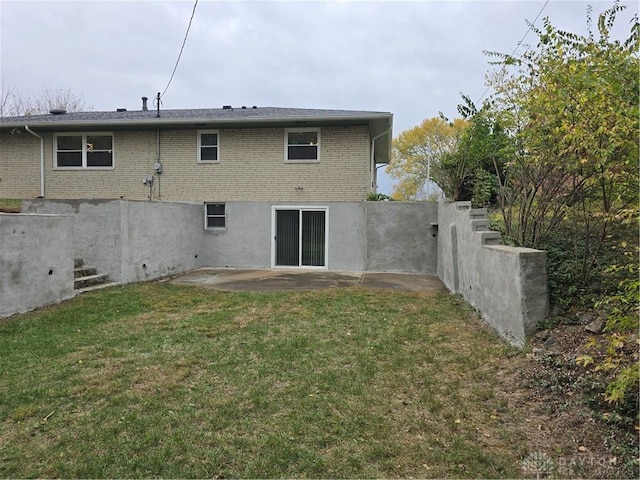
pixel 531 25
pixel 186 35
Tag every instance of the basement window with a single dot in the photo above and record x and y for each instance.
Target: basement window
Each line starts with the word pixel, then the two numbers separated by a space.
pixel 215 215
pixel 302 145
pixel 83 150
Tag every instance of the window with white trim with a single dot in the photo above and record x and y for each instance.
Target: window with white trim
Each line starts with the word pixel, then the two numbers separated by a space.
pixel 215 215
pixel 302 145
pixel 208 147
pixel 83 150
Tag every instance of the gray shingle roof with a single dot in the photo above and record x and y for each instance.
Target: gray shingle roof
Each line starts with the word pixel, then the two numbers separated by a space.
pixel 217 115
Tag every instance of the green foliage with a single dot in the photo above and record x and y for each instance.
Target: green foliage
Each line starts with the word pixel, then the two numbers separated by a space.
pixel 623 309
pixel 378 197
pixel 574 114
pixel 484 188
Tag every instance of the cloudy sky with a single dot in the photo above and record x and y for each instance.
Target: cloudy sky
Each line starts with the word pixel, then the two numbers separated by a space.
pixel 410 58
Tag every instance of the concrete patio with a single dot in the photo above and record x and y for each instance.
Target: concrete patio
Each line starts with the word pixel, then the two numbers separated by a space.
pixel 264 280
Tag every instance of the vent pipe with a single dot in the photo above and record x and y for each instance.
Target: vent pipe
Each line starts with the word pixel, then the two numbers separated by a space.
pixel 144 104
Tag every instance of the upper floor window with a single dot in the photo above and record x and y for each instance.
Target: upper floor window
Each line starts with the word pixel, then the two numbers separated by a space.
pixel 208 146
pixel 302 145
pixel 83 150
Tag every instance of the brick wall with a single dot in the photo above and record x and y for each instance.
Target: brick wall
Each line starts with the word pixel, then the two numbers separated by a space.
pixel 251 167
pixel 19 165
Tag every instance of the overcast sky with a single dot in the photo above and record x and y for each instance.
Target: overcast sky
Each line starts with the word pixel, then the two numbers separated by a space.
pixel 409 58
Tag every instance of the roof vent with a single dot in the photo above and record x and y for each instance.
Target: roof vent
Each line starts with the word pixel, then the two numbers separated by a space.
pixel 244 107
pixel 144 104
pixel 226 107
pixel 121 110
pixel 57 111
pixel 254 106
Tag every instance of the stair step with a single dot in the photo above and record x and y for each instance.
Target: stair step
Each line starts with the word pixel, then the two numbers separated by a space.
pixel 478 213
pixel 479 224
pixel 89 280
pixel 95 287
pixel 490 238
pixel 84 271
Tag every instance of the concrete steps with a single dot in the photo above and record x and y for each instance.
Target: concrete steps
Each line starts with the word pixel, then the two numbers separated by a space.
pixel 480 226
pixel 87 278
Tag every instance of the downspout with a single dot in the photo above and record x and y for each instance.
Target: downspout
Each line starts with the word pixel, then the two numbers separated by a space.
pixel 158 164
pixel 374 170
pixel 26 127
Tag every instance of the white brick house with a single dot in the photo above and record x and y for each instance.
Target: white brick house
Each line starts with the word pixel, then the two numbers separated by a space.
pixel 225 154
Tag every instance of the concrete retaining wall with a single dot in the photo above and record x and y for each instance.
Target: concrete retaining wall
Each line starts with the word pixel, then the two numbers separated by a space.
pixel 95 230
pixel 131 241
pixel 402 237
pixel 36 261
pixel 508 285
pixel 135 240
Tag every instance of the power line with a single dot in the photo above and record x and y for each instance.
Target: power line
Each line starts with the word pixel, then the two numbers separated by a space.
pixel 520 42
pixel 186 35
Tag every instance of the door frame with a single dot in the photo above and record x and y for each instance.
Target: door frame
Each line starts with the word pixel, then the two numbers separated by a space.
pixel 300 208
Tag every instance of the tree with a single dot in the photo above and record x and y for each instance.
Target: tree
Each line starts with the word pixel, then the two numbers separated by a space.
pixel 470 172
pixel 416 151
pixel 573 103
pixel 13 103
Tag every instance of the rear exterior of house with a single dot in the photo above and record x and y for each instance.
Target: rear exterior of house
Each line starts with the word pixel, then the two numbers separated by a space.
pixel 207 155
pixel 265 178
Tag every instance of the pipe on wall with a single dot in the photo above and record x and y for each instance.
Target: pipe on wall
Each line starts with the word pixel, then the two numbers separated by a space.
pixel 26 127
pixel 374 170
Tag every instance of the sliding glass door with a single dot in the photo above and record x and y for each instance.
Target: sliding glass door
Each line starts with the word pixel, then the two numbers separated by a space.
pixel 300 237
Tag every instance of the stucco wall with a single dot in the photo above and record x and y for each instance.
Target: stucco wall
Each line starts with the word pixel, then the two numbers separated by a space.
pixel 508 285
pixel 251 167
pixel 159 239
pixel 246 242
pixel 36 261
pixel 401 237
pixel 131 241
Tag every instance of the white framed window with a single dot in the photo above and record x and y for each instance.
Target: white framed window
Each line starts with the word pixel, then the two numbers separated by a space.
pixel 83 150
pixel 301 145
pixel 208 146
pixel 215 215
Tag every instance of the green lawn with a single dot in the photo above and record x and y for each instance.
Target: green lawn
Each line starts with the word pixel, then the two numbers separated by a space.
pixel 156 380
pixel 10 205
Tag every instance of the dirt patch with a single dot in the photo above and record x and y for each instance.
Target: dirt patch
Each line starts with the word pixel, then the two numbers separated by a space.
pixel 570 431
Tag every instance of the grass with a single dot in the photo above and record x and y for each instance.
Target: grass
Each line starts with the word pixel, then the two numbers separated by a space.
pixel 155 380
pixel 10 205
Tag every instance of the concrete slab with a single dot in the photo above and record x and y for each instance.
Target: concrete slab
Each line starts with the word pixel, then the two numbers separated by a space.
pixel 247 280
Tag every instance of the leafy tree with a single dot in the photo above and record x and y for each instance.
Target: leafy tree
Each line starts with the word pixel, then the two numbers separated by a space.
pixel 471 172
pixel 576 119
pixel 416 151
pixel 571 186
pixel 13 103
